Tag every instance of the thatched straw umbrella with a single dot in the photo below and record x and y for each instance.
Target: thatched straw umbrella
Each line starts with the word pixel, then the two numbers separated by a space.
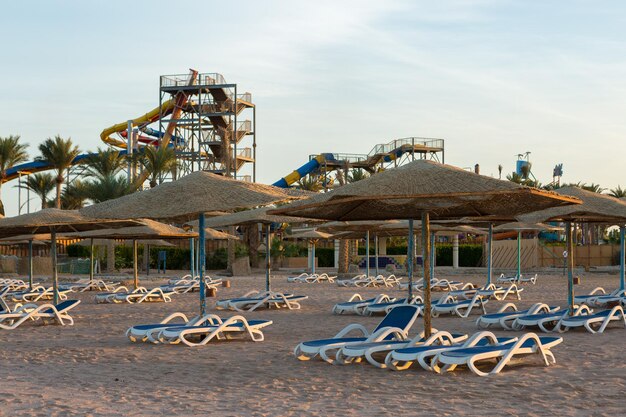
pixel 55 221
pixel 427 189
pixel 313 236
pixel 595 208
pixel 520 227
pixel 150 230
pixel 255 216
pixel 191 197
pixel 364 226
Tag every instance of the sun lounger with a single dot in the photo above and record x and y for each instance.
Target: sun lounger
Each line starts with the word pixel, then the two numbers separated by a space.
pixel 595 293
pixel 109 297
pixel 461 308
pixel 385 307
pixel 394 326
pixel 149 332
pixel 594 323
pixel 528 344
pixel 155 295
pixel 83 285
pixel 357 281
pixel 507 314
pixel 232 327
pixel 602 300
pixel 356 304
pixel 546 322
pixel 36 294
pixel 403 358
pixel 370 350
pixel 47 313
pixel 500 293
pixel 254 300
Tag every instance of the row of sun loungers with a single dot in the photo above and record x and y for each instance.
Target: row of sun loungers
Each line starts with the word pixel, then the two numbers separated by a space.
pixel 255 300
pixel 388 346
pixel 503 279
pixel 87 284
pixel 198 331
pixel 312 278
pixel 365 281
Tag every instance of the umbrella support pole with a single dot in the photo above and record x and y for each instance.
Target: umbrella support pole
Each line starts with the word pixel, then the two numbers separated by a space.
pixel 427 250
pixel 367 253
pixel 410 257
pixel 268 257
pixel 489 253
pixel 376 253
pixel 192 261
pixel 30 264
pixel 202 263
pixel 519 256
pixel 570 267
pixel 433 252
pixel 622 238
pixel 91 260
pixel 55 274
pixel 313 243
pixel 135 265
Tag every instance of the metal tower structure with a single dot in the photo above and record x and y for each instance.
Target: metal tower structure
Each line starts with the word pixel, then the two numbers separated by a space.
pixel 205 119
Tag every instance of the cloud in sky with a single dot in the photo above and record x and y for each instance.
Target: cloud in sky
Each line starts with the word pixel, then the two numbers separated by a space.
pixel 493 78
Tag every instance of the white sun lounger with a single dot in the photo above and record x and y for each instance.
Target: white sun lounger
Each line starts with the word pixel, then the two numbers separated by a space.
pixel 109 297
pixel 528 344
pixel 394 326
pixel 254 300
pixel 149 332
pixel 218 329
pixel 403 358
pixel 500 293
pixel 461 308
pixel 47 313
pixel 155 295
pixel 508 313
pixel 385 307
pixel 354 353
pixel 594 323
pixel 356 304
pixel 546 322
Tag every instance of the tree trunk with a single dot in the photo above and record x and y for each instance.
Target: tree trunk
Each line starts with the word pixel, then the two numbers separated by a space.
pixel 58 201
pixel 252 240
pixel 231 250
pixel 110 255
pixel 344 256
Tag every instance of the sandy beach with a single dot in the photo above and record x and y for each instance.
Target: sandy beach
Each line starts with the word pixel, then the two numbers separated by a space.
pixel 91 369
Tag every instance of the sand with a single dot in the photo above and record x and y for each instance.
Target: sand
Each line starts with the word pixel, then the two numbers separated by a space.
pixel 91 369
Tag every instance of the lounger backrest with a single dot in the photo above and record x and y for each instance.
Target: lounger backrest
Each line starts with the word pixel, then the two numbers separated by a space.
pixel 64 306
pixel 401 317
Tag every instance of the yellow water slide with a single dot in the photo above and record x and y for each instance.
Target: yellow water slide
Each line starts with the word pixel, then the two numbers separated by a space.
pixel 147 118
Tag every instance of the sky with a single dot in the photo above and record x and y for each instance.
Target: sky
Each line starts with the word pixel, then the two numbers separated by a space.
pixel 492 78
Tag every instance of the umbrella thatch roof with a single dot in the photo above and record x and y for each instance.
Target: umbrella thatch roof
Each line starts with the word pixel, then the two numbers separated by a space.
pixel 595 207
pixel 356 226
pixel 310 234
pixel 56 220
pixel 40 237
pixel 188 197
pixel 254 216
pixel 525 227
pixel 444 191
pixel 150 230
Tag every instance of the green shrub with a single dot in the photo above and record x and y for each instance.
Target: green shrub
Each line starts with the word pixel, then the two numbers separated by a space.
pixel 78 251
pixel 325 257
pixel 470 255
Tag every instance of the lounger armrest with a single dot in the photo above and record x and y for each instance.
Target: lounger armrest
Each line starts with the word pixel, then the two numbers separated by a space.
pixel 477 337
pixel 507 306
pixel 350 328
pixel 355 297
pixel 380 334
pixel 175 316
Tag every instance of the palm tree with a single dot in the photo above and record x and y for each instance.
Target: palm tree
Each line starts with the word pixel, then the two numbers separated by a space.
pixel 73 196
pixel 11 153
pixel 158 162
pixel 595 188
pixel 104 163
pixel 106 188
pixel 357 174
pixel 60 154
pixel 618 192
pixel 41 184
pixel 309 183
pixel 515 177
